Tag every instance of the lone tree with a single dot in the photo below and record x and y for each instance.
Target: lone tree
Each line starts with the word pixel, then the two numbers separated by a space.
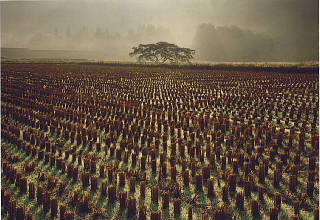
pixel 162 52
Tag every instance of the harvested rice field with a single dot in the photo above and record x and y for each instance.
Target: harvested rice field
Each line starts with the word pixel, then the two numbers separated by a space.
pixel 128 142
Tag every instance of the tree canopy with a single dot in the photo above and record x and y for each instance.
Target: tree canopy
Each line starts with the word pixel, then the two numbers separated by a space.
pixel 162 52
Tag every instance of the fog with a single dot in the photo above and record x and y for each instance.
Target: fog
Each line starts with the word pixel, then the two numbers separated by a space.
pixel 219 30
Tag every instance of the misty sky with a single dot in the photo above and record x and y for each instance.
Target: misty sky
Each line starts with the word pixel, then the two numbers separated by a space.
pixel 292 24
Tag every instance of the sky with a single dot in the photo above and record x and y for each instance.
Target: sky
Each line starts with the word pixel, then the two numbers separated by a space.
pixel 292 25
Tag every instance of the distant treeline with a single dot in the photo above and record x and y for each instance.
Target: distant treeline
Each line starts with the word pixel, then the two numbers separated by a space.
pixel 231 43
pixel 211 43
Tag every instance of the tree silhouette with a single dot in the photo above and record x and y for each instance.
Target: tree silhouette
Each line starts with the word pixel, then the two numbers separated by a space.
pixel 162 52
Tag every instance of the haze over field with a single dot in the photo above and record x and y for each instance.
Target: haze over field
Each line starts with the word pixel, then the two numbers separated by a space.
pixel 219 30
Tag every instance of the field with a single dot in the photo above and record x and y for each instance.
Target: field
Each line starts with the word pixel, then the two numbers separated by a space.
pixel 134 142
